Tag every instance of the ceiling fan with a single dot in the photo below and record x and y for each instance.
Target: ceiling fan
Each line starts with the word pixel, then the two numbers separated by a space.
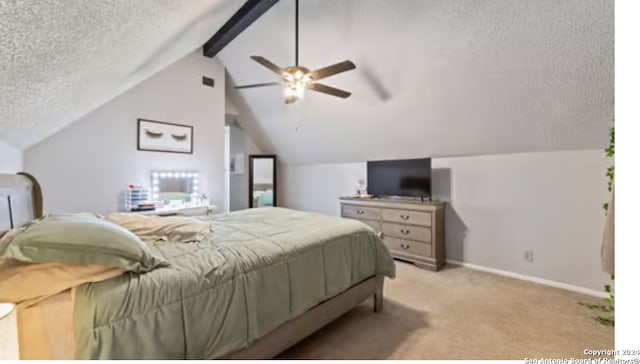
pixel 297 78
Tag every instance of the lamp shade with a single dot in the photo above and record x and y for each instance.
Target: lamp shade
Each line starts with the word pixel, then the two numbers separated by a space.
pixel 8 332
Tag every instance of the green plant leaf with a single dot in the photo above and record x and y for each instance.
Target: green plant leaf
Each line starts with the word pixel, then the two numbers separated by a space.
pixel 605 320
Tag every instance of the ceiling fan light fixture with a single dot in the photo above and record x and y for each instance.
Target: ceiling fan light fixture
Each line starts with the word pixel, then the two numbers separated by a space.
pixel 295 90
pixel 298 78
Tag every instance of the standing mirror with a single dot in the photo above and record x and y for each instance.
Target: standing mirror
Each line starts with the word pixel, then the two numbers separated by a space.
pixel 262 180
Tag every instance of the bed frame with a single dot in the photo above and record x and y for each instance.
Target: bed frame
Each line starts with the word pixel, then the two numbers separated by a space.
pixel 21 202
pixel 291 332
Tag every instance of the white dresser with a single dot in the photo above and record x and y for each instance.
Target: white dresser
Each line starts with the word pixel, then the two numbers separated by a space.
pixel 412 230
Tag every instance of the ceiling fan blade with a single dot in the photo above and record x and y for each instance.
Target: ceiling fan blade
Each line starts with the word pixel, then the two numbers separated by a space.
pixel 332 70
pixel 270 65
pixel 329 90
pixel 258 85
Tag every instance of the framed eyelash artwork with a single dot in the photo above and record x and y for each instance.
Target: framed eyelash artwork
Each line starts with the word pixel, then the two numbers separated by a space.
pixel 160 136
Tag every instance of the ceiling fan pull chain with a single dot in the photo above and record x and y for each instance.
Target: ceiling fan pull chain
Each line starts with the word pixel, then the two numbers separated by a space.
pixel 298 116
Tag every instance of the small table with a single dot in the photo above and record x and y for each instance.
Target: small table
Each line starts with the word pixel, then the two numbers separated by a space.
pixel 182 211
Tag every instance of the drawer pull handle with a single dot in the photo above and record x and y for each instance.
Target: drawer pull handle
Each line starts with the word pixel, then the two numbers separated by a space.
pixel 360 212
pixel 405 231
pixel 380 235
pixel 405 246
pixel 404 217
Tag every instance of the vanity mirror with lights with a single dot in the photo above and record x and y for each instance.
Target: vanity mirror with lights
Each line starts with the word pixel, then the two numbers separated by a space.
pixel 172 187
pixel 262 180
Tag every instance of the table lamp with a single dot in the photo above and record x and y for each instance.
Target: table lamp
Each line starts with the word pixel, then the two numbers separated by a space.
pixel 8 332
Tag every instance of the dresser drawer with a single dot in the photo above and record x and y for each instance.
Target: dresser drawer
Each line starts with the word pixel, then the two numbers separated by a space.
pixel 407 231
pixel 407 217
pixel 359 212
pixel 407 246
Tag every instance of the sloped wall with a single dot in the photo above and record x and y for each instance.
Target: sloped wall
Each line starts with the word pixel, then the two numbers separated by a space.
pixel 10 158
pixel 86 166
pixel 497 206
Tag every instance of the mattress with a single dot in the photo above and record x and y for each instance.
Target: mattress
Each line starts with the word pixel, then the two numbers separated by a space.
pixel 258 269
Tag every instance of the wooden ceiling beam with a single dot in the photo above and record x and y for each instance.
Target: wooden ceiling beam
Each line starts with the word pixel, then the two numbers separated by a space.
pixel 241 20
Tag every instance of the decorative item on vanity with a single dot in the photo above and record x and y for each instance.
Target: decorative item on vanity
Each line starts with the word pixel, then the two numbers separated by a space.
pixel 8 332
pixel 136 198
pixel 160 136
pixel 297 78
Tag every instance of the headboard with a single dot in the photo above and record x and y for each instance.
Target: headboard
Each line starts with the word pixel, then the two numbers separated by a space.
pixel 20 200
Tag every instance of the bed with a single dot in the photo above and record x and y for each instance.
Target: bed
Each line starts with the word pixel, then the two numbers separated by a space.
pixel 261 281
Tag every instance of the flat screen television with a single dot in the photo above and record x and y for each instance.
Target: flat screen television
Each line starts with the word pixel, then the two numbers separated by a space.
pixel 405 178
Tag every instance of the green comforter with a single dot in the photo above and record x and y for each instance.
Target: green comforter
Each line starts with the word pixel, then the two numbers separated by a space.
pixel 258 269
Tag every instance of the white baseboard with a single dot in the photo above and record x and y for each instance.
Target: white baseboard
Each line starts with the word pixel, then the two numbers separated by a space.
pixel 533 279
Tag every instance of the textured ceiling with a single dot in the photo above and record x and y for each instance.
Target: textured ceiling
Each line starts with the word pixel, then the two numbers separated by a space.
pixel 434 77
pixel 60 59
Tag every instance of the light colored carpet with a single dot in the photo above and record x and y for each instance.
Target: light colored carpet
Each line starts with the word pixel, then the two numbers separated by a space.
pixel 458 313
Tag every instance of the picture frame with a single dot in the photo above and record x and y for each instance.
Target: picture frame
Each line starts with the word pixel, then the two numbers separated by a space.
pixel 162 136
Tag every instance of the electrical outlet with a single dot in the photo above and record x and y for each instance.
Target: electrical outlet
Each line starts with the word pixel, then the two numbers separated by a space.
pixel 528 256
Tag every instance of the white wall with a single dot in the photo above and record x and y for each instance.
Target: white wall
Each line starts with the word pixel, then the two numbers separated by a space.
pixel 10 158
pixel 85 166
pixel 499 205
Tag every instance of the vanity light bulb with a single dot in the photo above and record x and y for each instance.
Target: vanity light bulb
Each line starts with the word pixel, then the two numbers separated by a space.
pixel 155 181
pixel 156 189
pixel 155 174
pixel 163 175
pixel 183 175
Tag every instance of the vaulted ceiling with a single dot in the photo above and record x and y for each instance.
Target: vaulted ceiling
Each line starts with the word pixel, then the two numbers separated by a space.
pixel 60 59
pixel 434 77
